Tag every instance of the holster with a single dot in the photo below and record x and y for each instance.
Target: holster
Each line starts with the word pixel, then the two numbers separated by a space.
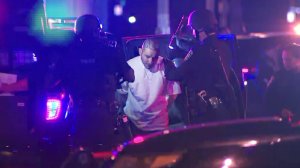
pixel 204 107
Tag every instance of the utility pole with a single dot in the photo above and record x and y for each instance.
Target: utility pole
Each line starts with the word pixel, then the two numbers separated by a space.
pixel 163 17
pixel 236 23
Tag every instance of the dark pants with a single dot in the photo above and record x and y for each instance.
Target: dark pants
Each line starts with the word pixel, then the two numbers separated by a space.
pixel 94 124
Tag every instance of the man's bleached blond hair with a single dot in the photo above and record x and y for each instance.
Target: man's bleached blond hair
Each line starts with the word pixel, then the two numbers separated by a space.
pixel 151 44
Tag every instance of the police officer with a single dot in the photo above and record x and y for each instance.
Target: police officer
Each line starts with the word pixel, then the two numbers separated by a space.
pixel 212 87
pixel 282 95
pixel 89 74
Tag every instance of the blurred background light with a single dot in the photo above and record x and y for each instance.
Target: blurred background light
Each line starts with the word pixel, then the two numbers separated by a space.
pixel 250 143
pixel 297 29
pixel 291 16
pixel 123 2
pixel 118 10
pixel 245 70
pixel 34 58
pixel 228 162
pixel 138 139
pixel 132 19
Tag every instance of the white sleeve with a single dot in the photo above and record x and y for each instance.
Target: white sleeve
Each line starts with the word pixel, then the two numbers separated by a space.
pixel 124 88
pixel 173 88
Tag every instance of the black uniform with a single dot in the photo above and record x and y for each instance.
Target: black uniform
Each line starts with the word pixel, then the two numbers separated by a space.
pixel 88 73
pixel 283 93
pixel 210 81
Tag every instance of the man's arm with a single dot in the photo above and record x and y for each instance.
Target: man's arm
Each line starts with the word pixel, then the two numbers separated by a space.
pixel 171 72
pixel 125 70
pixel 171 99
pixel 173 90
pixel 129 75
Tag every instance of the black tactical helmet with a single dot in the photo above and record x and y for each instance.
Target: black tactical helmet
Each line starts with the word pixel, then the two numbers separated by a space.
pixel 87 26
pixel 202 20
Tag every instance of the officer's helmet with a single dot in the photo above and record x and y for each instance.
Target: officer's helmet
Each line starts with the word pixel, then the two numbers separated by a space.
pixel 202 20
pixel 88 26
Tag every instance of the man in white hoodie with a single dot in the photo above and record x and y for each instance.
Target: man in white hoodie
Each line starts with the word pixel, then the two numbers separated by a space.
pixel 150 93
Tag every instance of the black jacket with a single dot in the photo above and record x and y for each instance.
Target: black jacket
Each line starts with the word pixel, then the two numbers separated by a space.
pixel 283 93
pixel 208 68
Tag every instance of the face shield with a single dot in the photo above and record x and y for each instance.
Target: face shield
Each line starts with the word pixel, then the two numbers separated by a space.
pixel 185 39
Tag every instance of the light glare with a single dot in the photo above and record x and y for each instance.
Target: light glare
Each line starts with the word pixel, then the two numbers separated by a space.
pixel 297 29
pixel 245 70
pixel 291 17
pixel 131 19
pixel 138 139
pixel 250 143
pixel 171 47
pixel 118 10
pixel 228 162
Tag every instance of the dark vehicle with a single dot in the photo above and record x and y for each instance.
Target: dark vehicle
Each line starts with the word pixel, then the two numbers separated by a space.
pixel 256 141
pixel 55 126
pixel 256 57
pixel 262 142
pixel 259 57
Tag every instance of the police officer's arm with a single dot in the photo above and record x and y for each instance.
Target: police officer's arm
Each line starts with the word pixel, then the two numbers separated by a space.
pixel 125 70
pixel 177 74
pixel 128 74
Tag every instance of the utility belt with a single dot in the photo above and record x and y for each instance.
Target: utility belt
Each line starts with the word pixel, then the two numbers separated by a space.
pixel 203 100
pixel 212 101
pixel 204 107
